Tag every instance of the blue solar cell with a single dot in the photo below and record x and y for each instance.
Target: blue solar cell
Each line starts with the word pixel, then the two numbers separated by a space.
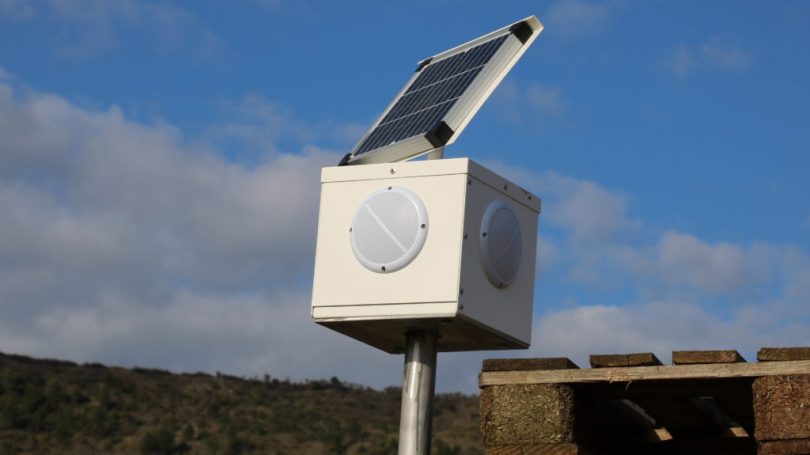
pixel 431 96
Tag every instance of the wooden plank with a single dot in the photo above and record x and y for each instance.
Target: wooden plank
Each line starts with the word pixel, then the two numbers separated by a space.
pixel 639 359
pixel 629 374
pixel 655 431
pixel 680 417
pixel 730 427
pixel 669 401
pixel 786 447
pixel 548 363
pixel 702 357
pixel 538 449
pixel 783 354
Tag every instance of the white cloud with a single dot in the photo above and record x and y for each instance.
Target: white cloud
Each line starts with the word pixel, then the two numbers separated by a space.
pixel 125 243
pixel 260 124
pixel 587 212
pixel 537 104
pixel 598 245
pixel 721 54
pixel 683 61
pixel 682 261
pixel 268 4
pixel 714 54
pixel 661 327
pixel 90 27
pixel 548 100
pixel 573 18
pixel 796 264
pixel 17 9
pixel 547 253
pixel 595 229
pixel 237 334
pixel 130 244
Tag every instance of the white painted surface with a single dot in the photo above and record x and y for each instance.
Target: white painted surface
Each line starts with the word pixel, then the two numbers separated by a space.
pixel 455 192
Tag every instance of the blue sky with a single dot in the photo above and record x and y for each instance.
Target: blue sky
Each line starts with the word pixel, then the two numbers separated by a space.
pixel 159 170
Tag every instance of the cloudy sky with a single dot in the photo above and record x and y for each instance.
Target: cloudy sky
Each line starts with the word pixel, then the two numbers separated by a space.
pixel 159 167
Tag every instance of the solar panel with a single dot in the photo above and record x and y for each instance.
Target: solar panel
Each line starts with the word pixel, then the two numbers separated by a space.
pixel 443 95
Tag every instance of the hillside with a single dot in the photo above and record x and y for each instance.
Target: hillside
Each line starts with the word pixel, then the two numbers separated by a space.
pixel 50 406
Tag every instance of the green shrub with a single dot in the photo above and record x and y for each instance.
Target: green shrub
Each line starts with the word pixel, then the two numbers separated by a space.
pixel 160 442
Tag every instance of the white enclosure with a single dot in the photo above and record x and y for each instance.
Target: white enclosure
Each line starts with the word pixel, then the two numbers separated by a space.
pixel 443 245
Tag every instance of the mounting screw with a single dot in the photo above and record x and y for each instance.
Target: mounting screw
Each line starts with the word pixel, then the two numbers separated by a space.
pixel 461 291
pixel 393 171
pixel 423 226
pixel 530 197
pixel 465 236
pixel 383 268
pixel 505 187
pixel 350 229
pixel 389 188
pixel 469 181
pixel 484 234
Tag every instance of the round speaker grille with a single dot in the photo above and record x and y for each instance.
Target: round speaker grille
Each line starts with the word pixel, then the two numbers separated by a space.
pixel 389 229
pixel 501 244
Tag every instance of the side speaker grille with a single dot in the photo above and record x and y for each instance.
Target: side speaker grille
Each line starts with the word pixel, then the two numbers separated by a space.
pixel 389 229
pixel 501 244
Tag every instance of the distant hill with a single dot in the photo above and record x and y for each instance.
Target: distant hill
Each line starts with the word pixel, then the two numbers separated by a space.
pixel 51 406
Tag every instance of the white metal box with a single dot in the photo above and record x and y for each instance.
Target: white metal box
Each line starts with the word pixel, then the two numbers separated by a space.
pixel 404 246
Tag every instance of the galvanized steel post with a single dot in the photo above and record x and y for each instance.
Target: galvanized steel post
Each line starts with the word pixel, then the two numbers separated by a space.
pixel 415 422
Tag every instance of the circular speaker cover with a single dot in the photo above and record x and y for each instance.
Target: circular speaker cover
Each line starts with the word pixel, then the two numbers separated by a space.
pixel 501 244
pixel 389 229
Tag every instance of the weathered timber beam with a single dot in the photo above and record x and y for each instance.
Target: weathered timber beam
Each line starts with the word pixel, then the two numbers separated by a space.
pixel 783 354
pixel 730 427
pixel 539 449
pixel 655 432
pixel 639 359
pixel 629 374
pixel 702 357
pixel 548 363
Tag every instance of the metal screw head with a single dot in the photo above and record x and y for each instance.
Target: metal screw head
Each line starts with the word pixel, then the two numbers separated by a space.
pixel 423 226
pixel 465 236
pixel 393 171
pixel 383 268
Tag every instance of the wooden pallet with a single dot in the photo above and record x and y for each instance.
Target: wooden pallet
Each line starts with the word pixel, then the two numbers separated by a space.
pixel 707 402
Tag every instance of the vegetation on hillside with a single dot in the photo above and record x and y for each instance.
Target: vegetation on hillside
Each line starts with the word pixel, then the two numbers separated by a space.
pixel 49 406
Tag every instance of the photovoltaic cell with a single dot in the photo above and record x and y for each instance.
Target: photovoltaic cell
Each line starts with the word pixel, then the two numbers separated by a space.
pixel 431 96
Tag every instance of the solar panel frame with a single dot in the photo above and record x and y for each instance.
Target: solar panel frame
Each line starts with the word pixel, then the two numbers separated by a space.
pixel 517 38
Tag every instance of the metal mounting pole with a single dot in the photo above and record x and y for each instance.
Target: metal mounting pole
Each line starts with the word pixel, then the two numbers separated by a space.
pixel 419 384
pixel 415 421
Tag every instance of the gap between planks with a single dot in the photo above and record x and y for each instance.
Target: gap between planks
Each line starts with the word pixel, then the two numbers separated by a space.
pixel 650 373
